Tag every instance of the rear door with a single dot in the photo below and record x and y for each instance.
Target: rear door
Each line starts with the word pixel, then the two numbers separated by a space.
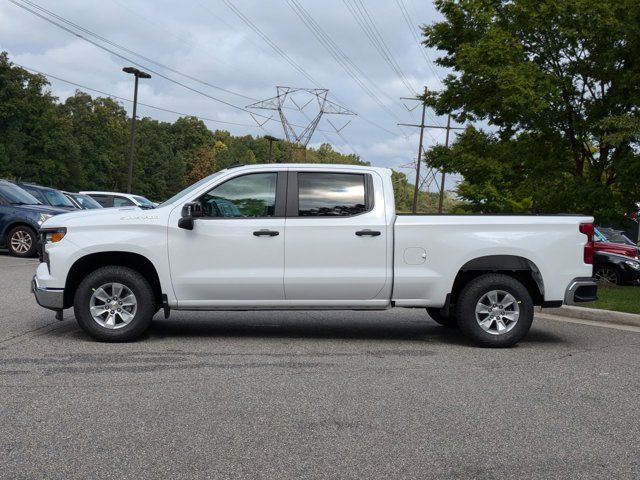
pixel 336 238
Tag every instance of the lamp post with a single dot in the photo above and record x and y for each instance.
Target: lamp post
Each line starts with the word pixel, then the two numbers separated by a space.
pixel 138 74
pixel 271 140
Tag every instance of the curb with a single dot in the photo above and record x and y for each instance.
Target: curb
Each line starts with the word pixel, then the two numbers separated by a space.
pixel 593 314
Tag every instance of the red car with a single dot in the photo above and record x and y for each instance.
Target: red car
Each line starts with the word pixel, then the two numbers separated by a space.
pixel 601 245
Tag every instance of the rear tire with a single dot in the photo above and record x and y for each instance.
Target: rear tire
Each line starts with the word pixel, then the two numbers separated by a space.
pixel 436 316
pixel 495 310
pixel 114 304
pixel 22 241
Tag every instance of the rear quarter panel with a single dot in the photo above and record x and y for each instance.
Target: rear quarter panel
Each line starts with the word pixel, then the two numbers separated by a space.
pixel 553 244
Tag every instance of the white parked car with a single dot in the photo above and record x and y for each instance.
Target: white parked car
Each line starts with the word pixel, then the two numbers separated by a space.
pixel 115 199
pixel 310 237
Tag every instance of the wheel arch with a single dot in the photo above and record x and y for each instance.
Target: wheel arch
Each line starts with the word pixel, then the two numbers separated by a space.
pixel 520 268
pixel 13 224
pixel 91 262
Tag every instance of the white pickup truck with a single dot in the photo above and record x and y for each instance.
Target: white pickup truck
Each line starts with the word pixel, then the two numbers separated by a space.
pixel 297 236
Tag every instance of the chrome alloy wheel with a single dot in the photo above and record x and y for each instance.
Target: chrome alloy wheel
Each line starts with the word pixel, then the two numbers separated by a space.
pixel 21 242
pixel 497 312
pixel 113 305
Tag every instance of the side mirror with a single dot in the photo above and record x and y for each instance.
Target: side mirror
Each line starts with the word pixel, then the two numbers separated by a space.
pixel 189 212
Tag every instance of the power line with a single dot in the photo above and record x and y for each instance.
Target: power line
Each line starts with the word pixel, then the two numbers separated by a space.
pixel 412 29
pixel 102 47
pixel 131 101
pixel 128 50
pixel 360 13
pixel 289 60
pixel 338 54
pixel 270 42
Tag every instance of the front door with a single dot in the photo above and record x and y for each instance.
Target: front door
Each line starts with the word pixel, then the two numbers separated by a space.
pixel 234 255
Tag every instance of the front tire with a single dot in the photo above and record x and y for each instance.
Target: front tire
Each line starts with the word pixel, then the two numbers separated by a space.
pixel 114 304
pixel 495 310
pixel 22 241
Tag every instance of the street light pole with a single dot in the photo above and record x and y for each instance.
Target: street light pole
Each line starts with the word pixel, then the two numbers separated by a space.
pixel 271 140
pixel 137 74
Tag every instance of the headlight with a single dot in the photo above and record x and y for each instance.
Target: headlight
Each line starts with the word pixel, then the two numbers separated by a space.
pixel 43 217
pixel 53 235
pixel 634 265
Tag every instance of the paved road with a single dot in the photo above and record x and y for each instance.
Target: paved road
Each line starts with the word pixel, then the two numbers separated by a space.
pixel 310 395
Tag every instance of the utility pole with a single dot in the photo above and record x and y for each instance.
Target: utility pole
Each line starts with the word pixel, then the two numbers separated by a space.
pixel 446 144
pixel 138 74
pixel 422 126
pixel 271 140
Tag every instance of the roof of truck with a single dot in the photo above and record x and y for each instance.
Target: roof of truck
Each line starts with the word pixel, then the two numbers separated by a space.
pixel 319 166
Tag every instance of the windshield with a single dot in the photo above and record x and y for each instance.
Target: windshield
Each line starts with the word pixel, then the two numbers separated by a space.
pixel 144 202
pixel 85 201
pixel 17 196
pixel 57 199
pixel 190 189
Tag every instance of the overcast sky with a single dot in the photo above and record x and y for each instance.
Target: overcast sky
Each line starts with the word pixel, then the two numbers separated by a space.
pixel 207 40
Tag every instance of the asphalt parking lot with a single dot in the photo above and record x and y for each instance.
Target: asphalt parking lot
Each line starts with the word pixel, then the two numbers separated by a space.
pixel 310 395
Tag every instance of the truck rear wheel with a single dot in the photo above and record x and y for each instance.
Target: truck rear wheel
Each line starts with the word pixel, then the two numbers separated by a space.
pixel 114 304
pixel 436 315
pixel 495 310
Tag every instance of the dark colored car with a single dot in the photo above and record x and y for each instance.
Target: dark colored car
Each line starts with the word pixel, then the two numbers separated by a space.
pixel 21 215
pixel 48 196
pixel 82 201
pixel 616 269
pixel 614 236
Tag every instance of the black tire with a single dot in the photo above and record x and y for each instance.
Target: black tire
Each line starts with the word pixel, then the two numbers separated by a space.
pixel 17 236
pixel 436 316
pixel 132 280
pixel 609 275
pixel 474 292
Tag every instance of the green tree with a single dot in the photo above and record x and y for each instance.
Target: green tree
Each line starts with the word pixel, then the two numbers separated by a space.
pixel 558 84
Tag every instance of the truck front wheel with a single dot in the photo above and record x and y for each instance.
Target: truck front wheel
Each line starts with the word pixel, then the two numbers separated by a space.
pixel 114 304
pixel 495 310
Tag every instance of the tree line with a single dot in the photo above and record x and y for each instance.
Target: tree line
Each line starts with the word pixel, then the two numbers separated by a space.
pixel 82 144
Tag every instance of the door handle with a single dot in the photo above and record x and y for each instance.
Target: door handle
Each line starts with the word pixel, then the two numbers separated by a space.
pixel 266 233
pixel 368 233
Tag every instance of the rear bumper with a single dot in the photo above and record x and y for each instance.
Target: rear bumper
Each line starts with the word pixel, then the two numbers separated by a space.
pixel 52 298
pixel 581 290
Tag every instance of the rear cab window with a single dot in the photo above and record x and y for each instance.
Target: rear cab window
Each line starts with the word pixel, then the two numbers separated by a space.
pixel 332 194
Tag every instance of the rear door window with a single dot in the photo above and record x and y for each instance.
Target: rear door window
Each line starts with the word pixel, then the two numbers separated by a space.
pixel 331 194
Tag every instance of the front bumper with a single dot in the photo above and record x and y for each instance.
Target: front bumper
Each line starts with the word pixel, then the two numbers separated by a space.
pixel 581 290
pixel 52 298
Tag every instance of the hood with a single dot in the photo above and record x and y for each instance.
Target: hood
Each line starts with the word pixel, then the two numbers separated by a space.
pixel 42 209
pixel 619 248
pixel 85 216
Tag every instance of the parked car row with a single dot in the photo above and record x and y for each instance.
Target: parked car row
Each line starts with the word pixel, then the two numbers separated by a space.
pixel 25 206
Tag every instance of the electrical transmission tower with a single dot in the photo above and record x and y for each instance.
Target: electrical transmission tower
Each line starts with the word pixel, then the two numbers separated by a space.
pixel 290 98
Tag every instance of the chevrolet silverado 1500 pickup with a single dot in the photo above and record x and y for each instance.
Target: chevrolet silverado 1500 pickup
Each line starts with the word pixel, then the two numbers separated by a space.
pixel 296 236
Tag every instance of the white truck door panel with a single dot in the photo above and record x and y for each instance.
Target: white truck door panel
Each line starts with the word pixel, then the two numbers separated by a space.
pixel 235 253
pixel 335 253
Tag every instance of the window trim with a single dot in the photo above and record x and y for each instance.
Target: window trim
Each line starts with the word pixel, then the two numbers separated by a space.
pixel 293 193
pixel 281 196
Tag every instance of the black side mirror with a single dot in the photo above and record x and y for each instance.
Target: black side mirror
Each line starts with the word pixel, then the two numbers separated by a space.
pixel 189 212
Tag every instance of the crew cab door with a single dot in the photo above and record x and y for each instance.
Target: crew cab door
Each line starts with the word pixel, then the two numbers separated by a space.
pixel 336 239
pixel 234 256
